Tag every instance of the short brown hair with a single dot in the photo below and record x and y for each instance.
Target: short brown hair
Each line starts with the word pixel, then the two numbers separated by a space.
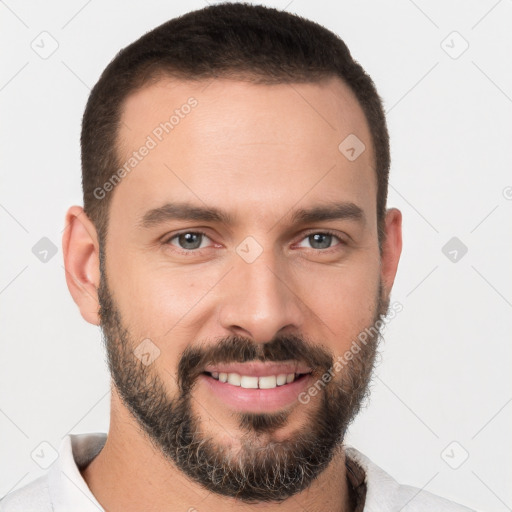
pixel 228 40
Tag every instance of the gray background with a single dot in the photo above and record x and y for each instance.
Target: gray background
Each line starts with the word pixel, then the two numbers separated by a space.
pixel 442 391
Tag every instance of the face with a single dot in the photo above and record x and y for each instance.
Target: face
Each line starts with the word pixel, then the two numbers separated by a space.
pixel 241 262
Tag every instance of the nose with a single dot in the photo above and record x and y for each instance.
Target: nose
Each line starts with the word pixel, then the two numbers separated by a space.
pixel 260 300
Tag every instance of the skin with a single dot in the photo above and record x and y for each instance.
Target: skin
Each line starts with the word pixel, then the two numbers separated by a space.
pixel 258 152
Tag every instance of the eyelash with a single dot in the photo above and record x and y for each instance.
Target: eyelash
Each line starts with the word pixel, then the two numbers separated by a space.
pixel 306 235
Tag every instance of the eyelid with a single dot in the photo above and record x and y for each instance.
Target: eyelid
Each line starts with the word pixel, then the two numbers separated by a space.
pixel 330 232
pixel 167 239
pixel 303 235
pixel 325 231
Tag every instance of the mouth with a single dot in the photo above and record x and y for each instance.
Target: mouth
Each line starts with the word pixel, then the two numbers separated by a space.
pixel 257 387
pixel 254 381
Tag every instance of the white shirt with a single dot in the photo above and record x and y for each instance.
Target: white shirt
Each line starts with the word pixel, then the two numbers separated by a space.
pixel 62 488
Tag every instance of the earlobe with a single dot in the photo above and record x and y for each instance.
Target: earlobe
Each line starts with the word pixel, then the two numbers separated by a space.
pixel 81 262
pixel 391 248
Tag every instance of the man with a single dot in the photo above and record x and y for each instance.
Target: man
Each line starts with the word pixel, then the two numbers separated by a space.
pixel 236 249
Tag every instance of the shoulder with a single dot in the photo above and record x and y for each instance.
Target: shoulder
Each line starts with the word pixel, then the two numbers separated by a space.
pixel 62 487
pixel 385 494
pixel 33 497
pixel 413 499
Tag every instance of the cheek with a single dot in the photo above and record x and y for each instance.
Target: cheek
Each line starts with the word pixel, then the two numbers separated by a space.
pixel 163 306
pixel 343 298
pixel 172 305
pixel 163 303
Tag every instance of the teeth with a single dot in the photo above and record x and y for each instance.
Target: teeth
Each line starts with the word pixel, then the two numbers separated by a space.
pixel 234 379
pixel 268 382
pixel 281 379
pixel 251 382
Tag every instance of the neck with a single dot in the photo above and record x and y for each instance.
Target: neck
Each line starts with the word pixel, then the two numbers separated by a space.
pixel 131 474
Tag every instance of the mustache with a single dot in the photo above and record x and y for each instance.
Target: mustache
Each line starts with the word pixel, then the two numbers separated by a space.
pixel 237 349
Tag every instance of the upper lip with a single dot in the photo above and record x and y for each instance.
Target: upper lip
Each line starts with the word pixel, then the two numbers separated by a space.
pixel 258 369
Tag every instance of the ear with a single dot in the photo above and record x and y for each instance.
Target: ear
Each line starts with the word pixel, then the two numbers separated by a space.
pixel 391 248
pixel 81 261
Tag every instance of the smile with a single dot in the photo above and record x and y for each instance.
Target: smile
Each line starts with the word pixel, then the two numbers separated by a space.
pixel 255 382
pixel 256 387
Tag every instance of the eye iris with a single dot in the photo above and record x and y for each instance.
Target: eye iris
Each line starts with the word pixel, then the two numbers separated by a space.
pixel 190 240
pixel 193 240
pixel 323 238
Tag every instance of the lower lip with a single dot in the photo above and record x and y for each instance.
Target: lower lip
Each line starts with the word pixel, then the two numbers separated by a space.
pixel 257 400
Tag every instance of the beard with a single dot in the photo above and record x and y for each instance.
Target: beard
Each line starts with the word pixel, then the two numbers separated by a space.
pixel 263 469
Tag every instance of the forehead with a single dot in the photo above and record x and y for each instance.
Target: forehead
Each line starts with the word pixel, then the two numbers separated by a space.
pixel 239 145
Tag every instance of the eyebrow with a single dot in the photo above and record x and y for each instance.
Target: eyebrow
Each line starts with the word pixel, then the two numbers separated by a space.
pixel 184 211
pixel 330 211
pixel 187 211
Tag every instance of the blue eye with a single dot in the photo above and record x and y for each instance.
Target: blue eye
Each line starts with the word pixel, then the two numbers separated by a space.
pixel 321 240
pixel 194 241
pixel 189 240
